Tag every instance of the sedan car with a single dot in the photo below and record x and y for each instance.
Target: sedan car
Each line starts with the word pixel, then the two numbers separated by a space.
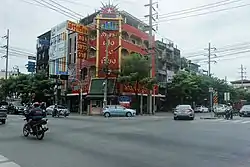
pixel 201 109
pixel 117 110
pixel 184 112
pixel 19 109
pixel 63 110
pixel 245 111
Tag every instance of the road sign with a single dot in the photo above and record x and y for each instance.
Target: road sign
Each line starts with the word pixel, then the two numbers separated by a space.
pixel 31 66
pixel 31 57
pixel 210 89
pixel 226 96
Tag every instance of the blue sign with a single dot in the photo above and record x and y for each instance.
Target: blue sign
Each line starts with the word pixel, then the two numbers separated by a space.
pixel 124 99
pixel 31 66
pixel 110 26
pixel 44 42
pixel 62 73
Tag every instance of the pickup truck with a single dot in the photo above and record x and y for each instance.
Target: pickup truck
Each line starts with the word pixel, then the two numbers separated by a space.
pixel 3 115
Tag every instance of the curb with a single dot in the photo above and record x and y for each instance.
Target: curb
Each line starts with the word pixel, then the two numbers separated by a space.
pixel 208 118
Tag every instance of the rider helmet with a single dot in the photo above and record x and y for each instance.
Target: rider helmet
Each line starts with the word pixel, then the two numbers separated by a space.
pixel 36 104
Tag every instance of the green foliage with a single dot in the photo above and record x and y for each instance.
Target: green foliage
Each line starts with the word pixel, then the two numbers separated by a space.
pixel 24 85
pixel 188 87
pixel 135 71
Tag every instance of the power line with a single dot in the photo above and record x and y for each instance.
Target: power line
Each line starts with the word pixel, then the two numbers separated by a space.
pixel 226 55
pixel 226 48
pixel 242 75
pixel 205 13
pixel 66 8
pixel 55 9
pixel 196 9
pixel 63 10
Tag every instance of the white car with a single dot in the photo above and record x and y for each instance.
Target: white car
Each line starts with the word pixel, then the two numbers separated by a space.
pixel 63 110
pixel 201 109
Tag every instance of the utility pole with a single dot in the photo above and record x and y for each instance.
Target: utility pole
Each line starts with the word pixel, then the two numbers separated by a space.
pixel 152 13
pixel 209 58
pixel 242 75
pixel 211 91
pixel 106 72
pixel 7 37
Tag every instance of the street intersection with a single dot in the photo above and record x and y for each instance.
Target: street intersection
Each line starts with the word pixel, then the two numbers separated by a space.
pixel 146 141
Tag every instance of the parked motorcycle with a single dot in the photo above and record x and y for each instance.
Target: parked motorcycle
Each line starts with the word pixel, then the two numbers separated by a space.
pixel 37 128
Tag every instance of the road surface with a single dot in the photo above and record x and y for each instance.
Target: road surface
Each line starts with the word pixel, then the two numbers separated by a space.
pixel 134 142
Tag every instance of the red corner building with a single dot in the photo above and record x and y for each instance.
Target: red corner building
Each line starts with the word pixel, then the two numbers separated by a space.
pixel 125 35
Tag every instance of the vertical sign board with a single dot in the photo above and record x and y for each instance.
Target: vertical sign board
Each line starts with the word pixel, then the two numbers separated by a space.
pixel 81 50
pixel 58 49
pixel 226 96
pixel 113 43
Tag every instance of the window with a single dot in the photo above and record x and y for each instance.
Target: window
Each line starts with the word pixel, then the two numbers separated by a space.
pixel 70 45
pixel 74 58
pixel 75 45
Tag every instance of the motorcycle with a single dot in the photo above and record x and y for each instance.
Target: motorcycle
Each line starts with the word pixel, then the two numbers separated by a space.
pixel 228 114
pixel 35 128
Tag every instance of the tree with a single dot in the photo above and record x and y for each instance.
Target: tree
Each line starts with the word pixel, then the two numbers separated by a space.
pixel 26 85
pixel 189 87
pixel 135 71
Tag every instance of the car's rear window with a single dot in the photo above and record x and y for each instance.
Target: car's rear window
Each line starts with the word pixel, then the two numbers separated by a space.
pixel 183 107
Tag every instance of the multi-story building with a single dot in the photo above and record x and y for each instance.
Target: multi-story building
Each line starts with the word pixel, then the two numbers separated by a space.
pixel 128 36
pixel 168 62
pixel 42 59
pixel 243 84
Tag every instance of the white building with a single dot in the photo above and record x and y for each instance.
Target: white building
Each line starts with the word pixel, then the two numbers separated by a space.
pixel 245 84
pixel 10 73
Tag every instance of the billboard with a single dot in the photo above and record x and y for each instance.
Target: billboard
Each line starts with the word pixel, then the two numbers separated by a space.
pixel 78 28
pixel 59 41
pixel 113 52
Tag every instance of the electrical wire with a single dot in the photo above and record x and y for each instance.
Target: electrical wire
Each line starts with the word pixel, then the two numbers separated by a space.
pixel 56 9
pixel 196 9
pixel 205 13
pixel 66 8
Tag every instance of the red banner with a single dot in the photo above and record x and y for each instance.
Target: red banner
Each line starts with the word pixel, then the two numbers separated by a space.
pixel 129 89
pixel 113 52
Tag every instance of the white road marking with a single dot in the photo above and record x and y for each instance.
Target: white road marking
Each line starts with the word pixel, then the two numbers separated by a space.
pixel 245 122
pixel 237 121
pixel 9 164
pixel 2 158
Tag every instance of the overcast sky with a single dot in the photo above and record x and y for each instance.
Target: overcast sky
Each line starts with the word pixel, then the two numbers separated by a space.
pixel 231 27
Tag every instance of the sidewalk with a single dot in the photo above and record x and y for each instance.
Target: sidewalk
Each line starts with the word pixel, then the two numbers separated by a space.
pixel 77 116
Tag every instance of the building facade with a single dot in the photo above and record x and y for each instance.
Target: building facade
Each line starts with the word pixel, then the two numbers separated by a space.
pixel 79 50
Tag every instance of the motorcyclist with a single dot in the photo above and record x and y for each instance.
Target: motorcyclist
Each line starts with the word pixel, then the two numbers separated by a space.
pixel 34 114
pixel 230 111
pixel 55 111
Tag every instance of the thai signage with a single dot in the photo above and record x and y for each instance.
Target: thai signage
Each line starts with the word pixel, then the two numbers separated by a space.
pixel 82 49
pixel 113 52
pixel 71 26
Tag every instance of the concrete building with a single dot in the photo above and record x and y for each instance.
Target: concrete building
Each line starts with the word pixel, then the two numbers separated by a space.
pixel 244 84
pixel 10 73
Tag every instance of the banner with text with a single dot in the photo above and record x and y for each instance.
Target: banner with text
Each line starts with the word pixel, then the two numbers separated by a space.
pixel 113 53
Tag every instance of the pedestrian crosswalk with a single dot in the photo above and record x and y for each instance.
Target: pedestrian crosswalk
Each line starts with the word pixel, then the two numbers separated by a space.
pixel 234 121
pixel 5 162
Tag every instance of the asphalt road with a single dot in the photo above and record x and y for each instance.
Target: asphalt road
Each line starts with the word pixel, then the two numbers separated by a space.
pixel 134 142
